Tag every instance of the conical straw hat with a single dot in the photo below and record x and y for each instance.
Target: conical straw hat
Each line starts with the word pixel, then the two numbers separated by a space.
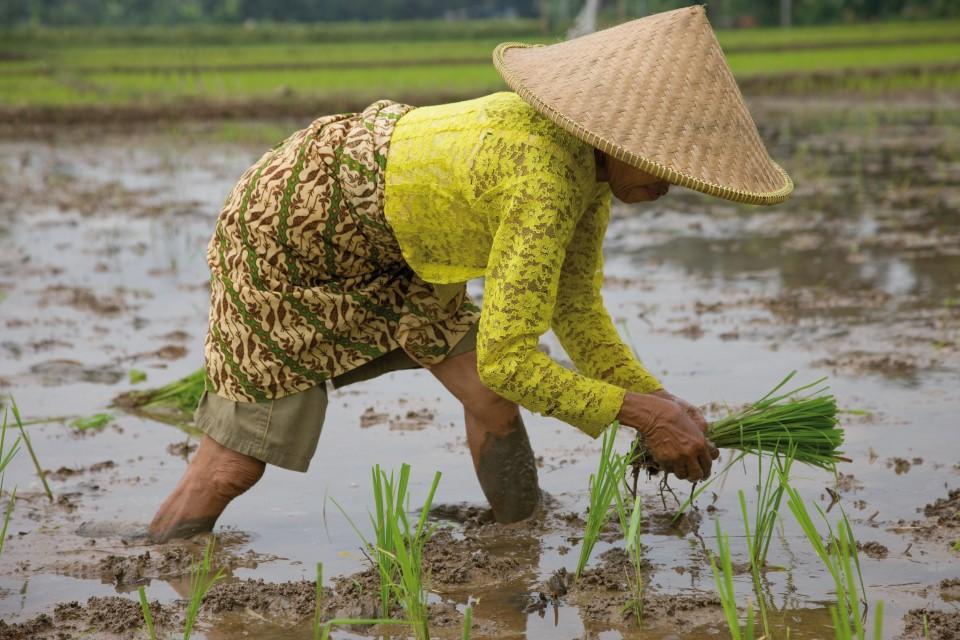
pixel 658 94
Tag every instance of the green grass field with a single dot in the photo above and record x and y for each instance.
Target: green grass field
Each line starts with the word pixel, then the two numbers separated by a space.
pixel 54 68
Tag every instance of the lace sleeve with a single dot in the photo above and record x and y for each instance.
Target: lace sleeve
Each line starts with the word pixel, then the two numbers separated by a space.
pixel 580 319
pixel 541 208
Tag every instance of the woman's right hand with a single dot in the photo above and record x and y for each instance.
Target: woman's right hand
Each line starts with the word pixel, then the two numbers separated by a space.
pixel 676 442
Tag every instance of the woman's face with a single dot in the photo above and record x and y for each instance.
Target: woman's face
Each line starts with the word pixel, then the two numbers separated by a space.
pixel 630 184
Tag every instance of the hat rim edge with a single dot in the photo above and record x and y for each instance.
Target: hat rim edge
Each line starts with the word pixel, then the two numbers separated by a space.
pixel 634 159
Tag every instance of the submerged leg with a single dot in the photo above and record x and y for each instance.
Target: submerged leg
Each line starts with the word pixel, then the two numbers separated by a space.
pixel 498 441
pixel 216 475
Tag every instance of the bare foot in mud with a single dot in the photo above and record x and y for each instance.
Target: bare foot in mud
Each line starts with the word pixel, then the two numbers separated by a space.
pixel 216 476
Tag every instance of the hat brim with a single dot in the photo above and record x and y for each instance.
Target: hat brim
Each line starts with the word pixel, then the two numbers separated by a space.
pixel 608 146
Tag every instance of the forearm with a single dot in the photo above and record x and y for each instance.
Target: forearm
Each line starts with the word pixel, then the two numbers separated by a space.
pixel 530 378
pixel 590 338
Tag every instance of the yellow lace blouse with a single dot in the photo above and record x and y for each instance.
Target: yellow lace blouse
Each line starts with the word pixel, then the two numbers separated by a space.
pixel 489 187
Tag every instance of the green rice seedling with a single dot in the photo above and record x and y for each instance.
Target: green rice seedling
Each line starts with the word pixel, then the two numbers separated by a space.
pixel 398 548
pixel 409 585
pixel 33 454
pixel 839 555
pixel 841 627
pixel 388 498
pixel 137 376
pixel 147 616
pixel 770 492
pixel 92 423
pixel 317 609
pixel 201 579
pixel 604 490
pixel 330 624
pixel 467 622
pixel 723 576
pixel 389 495
pixel 630 525
pixel 770 489
pixel 173 403
pixel 6 455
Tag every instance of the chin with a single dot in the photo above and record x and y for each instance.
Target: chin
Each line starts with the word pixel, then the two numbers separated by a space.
pixel 635 199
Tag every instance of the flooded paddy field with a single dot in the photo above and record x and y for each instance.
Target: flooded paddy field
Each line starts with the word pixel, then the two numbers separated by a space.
pixel 102 272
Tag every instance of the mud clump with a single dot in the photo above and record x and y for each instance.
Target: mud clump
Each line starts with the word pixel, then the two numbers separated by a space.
pixel 942 625
pixel 182 449
pixel 886 364
pixel 287 600
pixel 64 473
pixel 873 550
pixel 945 510
pixel 899 465
pixel 111 615
pixel 131 571
pixel 950 589
pixel 602 591
pixel 457 562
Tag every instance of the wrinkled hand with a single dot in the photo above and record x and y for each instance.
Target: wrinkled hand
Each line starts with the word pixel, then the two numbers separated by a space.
pixel 676 441
pixel 688 408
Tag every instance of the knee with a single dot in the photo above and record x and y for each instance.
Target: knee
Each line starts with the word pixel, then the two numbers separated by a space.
pixel 486 405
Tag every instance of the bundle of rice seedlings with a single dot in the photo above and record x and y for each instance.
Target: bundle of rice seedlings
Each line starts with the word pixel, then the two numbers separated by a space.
pixel 173 403
pixel 803 420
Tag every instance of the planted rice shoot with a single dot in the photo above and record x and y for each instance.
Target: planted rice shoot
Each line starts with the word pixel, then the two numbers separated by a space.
pixel 33 454
pixel 467 622
pixel 318 601
pixel 839 555
pixel 770 490
pixel 6 455
pixel 147 616
pixel 408 542
pixel 630 525
pixel 201 579
pixel 723 577
pixel 604 490
pixel 398 548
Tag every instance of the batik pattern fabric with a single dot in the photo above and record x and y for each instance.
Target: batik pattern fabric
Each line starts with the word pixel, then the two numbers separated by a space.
pixel 307 278
pixel 490 188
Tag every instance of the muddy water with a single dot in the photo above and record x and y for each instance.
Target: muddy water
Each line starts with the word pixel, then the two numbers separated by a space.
pixel 102 271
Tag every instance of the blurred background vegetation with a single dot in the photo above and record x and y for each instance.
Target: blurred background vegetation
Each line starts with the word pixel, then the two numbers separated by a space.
pixel 60 59
pixel 178 12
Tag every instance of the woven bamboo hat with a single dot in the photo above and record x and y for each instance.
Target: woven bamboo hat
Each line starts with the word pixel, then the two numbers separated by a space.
pixel 658 94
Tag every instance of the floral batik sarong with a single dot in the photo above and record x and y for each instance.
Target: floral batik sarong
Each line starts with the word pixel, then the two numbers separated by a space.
pixel 308 280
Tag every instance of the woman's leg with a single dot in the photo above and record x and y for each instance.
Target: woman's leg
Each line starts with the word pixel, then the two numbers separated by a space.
pixel 216 475
pixel 498 441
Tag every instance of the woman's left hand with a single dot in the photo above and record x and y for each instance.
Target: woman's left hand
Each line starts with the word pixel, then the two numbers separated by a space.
pixel 691 411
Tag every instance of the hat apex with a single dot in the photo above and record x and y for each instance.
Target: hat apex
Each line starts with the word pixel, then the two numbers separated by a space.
pixel 657 93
